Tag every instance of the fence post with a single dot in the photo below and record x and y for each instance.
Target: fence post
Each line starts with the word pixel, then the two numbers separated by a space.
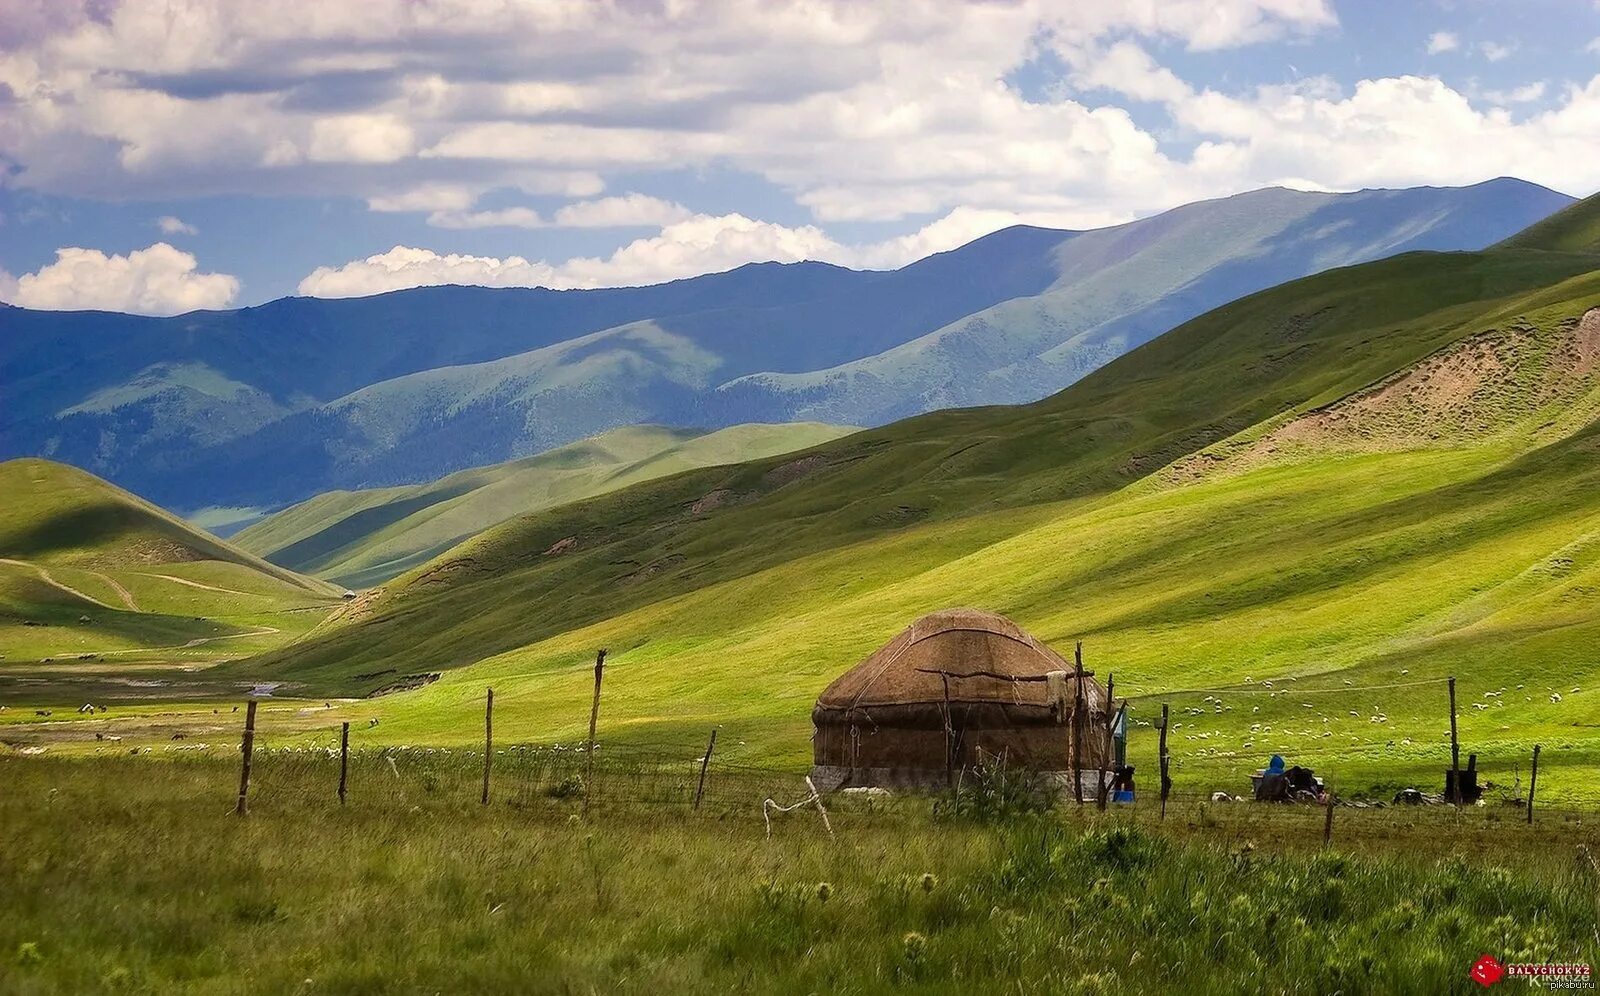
pixel 1533 781
pixel 247 748
pixel 1455 749
pixel 1077 724
pixel 488 742
pixel 949 738
pixel 1105 756
pixel 700 790
pixel 1166 783
pixel 594 717
pixel 344 759
pixel 1327 823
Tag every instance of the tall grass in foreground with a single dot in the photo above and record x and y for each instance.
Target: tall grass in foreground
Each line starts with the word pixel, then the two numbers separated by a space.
pixel 134 876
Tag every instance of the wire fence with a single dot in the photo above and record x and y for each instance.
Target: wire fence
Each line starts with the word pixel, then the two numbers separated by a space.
pixel 291 771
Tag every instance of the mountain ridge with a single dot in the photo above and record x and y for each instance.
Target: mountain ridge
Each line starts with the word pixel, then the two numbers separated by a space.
pixel 272 404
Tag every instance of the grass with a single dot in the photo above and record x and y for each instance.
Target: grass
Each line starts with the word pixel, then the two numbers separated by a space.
pixel 363 538
pixel 159 888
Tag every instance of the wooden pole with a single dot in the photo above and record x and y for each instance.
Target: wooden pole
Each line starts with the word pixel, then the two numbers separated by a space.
pixel 1105 756
pixel 704 763
pixel 949 738
pixel 246 749
pixel 1455 749
pixel 1166 783
pixel 344 759
pixel 1533 781
pixel 488 741
pixel 1077 724
pixel 594 717
pixel 1327 823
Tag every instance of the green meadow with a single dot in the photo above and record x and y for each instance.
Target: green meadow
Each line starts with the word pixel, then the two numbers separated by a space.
pixel 413 886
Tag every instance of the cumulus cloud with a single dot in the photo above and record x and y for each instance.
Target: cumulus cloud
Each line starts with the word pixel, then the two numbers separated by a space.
pixel 426 105
pixel 175 226
pixel 1443 41
pixel 158 280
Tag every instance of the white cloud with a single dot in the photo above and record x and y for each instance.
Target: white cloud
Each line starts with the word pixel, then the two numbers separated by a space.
pixel 1495 51
pixel 1594 46
pixel 1443 41
pixel 516 217
pixel 360 138
pixel 624 211
pixel 435 103
pixel 158 280
pixel 1517 95
pixel 856 111
pixel 404 266
pixel 175 226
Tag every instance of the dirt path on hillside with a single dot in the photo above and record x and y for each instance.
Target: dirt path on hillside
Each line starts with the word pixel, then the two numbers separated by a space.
pixel 46 577
pixel 196 642
pixel 125 594
pixel 196 584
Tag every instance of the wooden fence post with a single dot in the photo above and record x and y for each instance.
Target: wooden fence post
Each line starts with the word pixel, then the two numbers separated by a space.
pixel 488 742
pixel 704 763
pixel 1105 757
pixel 1455 749
pixel 247 748
pixel 1166 783
pixel 344 759
pixel 949 738
pixel 1077 724
pixel 594 718
pixel 1327 823
pixel 1533 781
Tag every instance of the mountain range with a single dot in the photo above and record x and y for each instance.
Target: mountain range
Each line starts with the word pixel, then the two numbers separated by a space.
pixel 1292 518
pixel 265 406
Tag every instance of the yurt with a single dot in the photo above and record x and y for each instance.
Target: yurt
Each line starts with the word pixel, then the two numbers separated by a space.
pixel 954 688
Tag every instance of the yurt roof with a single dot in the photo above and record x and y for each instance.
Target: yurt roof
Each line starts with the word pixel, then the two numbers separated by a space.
pixel 978 650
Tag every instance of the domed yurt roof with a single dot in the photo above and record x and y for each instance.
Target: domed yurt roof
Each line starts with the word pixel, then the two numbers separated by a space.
pixel 976 651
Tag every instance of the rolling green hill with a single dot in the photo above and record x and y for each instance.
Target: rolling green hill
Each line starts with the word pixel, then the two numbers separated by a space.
pixel 362 538
pixel 92 577
pixel 1575 229
pixel 1376 476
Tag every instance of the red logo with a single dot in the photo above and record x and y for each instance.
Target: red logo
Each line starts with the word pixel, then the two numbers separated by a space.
pixel 1486 971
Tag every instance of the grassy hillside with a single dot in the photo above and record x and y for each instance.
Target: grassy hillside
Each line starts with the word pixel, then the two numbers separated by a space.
pixel 93 578
pixel 1297 346
pixel 1375 477
pixel 361 538
pixel 1575 228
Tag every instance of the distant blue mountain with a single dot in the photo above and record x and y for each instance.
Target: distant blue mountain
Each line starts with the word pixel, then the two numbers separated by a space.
pixel 267 405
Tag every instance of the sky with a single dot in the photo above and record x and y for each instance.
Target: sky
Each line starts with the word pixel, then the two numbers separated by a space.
pixel 161 156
